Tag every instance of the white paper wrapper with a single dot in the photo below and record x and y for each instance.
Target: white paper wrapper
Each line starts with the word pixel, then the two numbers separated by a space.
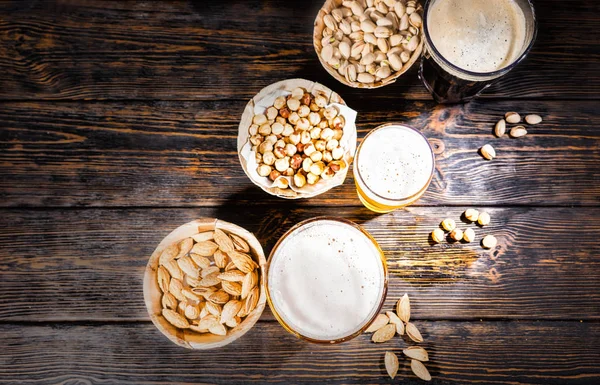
pixel 265 99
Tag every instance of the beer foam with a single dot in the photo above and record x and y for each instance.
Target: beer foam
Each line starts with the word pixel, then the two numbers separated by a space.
pixel 326 280
pixel 394 162
pixel 477 35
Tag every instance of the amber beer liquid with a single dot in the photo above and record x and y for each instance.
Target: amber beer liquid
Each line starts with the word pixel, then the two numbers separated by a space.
pixel 393 167
pixel 469 44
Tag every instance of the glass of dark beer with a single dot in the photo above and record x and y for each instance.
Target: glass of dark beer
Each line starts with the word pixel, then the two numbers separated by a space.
pixel 470 44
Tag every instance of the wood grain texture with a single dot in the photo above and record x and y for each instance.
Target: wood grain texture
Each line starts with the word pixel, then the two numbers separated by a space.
pixel 87 265
pixel 184 154
pixel 219 50
pixel 468 352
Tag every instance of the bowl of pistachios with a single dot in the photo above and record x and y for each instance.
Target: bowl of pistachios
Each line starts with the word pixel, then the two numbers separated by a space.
pixel 368 43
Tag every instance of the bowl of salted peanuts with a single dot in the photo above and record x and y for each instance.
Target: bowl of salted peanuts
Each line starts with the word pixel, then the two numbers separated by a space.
pixel 296 139
pixel 368 43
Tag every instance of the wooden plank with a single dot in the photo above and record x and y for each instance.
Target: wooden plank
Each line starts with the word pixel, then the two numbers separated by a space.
pixel 219 50
pixel 184 154
pixel 460 353
pixel 79 265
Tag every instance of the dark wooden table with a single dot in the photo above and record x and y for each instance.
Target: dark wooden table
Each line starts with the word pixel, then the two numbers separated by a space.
pixel 119 122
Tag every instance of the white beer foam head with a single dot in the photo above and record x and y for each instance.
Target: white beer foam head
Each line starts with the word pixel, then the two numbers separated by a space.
pixel 480 36
pixel 395 162
pixel 326 280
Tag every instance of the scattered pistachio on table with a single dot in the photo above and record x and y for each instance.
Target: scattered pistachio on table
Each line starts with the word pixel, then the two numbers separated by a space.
pixel 488 152
pixel 367 42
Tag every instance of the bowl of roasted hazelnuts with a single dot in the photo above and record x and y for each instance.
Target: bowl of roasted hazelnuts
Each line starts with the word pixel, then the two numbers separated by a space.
pixel 296 139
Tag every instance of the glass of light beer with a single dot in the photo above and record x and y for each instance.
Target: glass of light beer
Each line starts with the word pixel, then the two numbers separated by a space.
pixel 469 44
pixel 326 280
pixel 393 167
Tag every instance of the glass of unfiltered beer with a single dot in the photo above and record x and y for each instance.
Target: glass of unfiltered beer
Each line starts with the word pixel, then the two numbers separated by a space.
pixel 393 167
pixel 469 44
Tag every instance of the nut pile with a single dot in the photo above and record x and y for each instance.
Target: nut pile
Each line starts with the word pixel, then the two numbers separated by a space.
pixel 367 41
pixel 209 282
pixel 298 137
pixel 468 235
pixel 488 152
pixel 384 328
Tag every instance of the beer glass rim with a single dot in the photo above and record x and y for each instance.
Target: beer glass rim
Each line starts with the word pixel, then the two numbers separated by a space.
pixel 359 176
pixel 377 308
pixel 491 74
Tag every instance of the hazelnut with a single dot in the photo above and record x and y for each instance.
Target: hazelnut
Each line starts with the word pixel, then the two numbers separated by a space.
pixel 484 219
pixel 312 178
pixel 284 112
pixel 253 129
pixel 272 113
pixel 296 161
pixel 337 134
pixel 303 111
pixel 287 129
pixel 320 101
pixel 265 147
pixel 279 152
pixel 337 153
pixel 256 139
pixel 300 147
pixel 289 172
pixel 279 102
pixel 274 175
pixel 437 235
pixel 330 112
pixel 317 168
pixel 316 156
pixel 306 99
pixel 327 174
pixel 303 124
pixel 276 128
pixel 337 165
pixel 338 122
pixel 290 149
pixel 281 183
pixel 299 180
pixel 268 158
pixel 279 143
pixel 294 138
pixel 306 163
pixel 309 149
pixel 456 234
pixel 293 104
pixel 305 137
pixel 471 215
pixel 332 144
pixel 320 145
pixel 271 139
pixel 263 170
pixel 259 119
pixel 282 164
pixel 315 133
pixel 314 118
pixel 281 120
pixel 327 134
pixel 313 107
pixel 448 224
pixel 264 129
pixel 297 93
pixel 323 124
pixel 294 118
pixel 327 157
